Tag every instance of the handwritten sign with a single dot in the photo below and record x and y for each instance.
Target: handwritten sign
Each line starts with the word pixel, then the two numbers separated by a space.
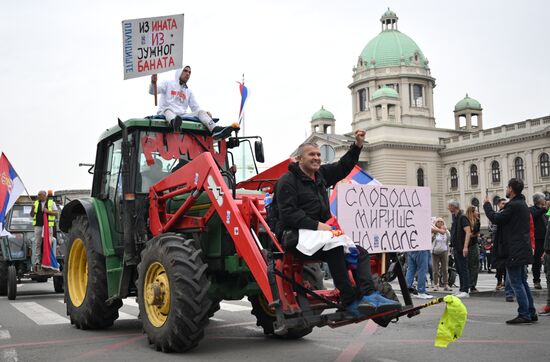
pixel 152 45
pixel 386 218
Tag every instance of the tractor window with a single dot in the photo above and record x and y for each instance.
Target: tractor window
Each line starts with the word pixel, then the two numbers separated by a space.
pixel 242 157
pixel 150 175
pixel 112 173
pixel 20 219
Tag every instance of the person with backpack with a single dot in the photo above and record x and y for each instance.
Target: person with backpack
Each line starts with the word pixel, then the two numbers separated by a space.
pixel 440 254
pixel 302 202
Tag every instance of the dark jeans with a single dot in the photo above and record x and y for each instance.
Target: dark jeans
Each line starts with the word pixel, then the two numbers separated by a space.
pixel 517 275
pixel 537 263
pixel 461 264
pixel 335 258
pixel 473 265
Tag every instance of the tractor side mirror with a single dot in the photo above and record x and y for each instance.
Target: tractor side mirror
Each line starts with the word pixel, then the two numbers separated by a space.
pixel 259 151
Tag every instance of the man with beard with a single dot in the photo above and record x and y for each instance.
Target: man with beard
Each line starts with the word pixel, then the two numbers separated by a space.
pixel 514 247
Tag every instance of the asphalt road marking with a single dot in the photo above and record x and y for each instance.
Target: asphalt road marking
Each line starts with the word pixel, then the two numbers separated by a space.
pixel 121 315
pixel 9 355
pixel 4 334
pixel 234 307
pixel 39 314
pixel 217 319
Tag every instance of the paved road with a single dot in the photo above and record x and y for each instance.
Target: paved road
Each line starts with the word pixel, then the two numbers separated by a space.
pixel 35 327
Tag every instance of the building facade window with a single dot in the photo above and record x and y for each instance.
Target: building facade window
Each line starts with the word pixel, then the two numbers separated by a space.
pixel 420 177
pixel 544 162
pixel 454 178
pixel 394 86
pixel 417 95
pixel 363 99
pixel 495 172
pixel 519 171
pixel 473 176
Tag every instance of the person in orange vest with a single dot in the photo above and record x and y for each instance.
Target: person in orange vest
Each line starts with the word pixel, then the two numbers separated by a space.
pixel 40 207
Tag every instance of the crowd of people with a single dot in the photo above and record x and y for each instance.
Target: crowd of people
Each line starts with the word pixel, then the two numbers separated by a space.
pixel 518 236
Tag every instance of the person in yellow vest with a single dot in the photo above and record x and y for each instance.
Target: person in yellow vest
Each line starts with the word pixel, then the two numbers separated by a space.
pixel 41 206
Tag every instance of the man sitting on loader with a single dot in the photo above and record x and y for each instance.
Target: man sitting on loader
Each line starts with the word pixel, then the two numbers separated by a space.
pixel 303 203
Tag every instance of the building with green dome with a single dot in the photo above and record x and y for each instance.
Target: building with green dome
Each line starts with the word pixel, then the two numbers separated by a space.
pixel 392 98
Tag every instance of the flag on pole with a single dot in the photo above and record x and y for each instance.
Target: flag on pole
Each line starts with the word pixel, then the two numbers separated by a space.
pixel 244 94
pixel 356 176
pixel 49 259
pixel 11 187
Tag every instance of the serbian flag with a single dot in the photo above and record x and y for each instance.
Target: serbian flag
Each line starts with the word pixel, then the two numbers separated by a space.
pixel 48 253
pixel 356 176
pixel 244 95
pixel 11 187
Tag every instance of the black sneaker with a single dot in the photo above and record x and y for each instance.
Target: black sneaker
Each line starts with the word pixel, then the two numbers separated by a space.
pixel 510 299
pixel 474 290
pixel 176 124
pixel 221 132
pixel 413 291
pixel 537 285
pixel 519 320
pixel 534 318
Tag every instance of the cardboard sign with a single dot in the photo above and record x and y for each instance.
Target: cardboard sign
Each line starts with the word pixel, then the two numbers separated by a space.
pixel 152 45
pixel 386 218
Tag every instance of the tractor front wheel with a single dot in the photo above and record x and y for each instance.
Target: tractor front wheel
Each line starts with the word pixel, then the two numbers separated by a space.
pixel 85 278
pixel 12 282
pixel 3 278
pixel 173 293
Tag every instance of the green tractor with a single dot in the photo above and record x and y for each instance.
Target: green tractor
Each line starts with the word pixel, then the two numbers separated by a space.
pixel 167 222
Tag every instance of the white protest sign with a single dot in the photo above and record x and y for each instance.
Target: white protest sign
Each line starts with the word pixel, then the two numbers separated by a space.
pixel 152 45
pixel 386 218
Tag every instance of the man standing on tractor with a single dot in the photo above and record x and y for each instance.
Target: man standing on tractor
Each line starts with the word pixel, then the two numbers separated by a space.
pixel 176 97
pixel 303 203
pixel 43 205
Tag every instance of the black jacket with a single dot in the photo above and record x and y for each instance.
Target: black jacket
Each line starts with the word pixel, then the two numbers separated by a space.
pixel 303 202
pixel 539 221
pixel 513 242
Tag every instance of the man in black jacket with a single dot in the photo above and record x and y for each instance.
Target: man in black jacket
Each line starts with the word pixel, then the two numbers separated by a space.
pixel 303 203
pixel 514 247
pixel 538 211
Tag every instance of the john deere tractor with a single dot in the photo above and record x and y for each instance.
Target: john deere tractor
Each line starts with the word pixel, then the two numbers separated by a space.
pixel 167 222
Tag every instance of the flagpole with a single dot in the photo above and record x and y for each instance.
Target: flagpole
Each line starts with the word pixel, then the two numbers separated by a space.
pixel 243 155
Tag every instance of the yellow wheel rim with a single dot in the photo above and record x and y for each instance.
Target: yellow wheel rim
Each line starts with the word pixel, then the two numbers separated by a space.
pixel 77 273
pixel 156 299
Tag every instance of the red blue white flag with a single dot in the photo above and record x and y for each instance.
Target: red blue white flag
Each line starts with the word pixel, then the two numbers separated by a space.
pixel 356 176
pixel 49 259
pixel 11 187
pixel 244 95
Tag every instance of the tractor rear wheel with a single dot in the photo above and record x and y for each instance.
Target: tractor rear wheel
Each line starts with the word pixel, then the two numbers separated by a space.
pixel 173 293
pixel 85 278
pixel 3 278
pixel 12 282
pixel 312 276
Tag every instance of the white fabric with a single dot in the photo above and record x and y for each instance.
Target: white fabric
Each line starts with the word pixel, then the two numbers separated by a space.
pixel 174 96
pixel 311 241
pixel 441 242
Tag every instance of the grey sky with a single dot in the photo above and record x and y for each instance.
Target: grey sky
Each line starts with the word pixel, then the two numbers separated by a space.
pixel 61 68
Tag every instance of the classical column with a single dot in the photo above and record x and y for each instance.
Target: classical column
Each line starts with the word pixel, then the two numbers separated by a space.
pixel 483 186
pixel 468 121
pixel 529 175
pixel 505 174
pixel 461 183
pixel 457 121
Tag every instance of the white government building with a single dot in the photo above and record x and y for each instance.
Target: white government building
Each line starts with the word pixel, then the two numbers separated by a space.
pixel 392 96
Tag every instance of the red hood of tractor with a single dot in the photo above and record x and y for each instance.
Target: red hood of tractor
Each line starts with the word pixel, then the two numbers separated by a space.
pixel 266 180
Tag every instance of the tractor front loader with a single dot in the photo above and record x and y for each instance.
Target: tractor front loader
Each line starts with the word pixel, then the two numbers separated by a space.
pixel 184 236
